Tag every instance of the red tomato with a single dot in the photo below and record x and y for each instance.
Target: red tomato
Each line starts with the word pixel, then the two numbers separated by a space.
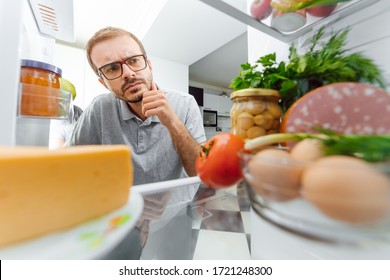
pixel 218 164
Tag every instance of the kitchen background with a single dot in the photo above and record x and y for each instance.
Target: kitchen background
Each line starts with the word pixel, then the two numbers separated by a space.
pixel 215 100
pixel 204 53
pixel 189 43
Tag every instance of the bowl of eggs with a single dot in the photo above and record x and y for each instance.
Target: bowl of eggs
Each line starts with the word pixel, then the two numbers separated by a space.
pixel 308 190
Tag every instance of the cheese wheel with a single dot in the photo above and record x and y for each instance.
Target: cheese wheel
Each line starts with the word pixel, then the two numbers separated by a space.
pixel 348 108
pixel 42 191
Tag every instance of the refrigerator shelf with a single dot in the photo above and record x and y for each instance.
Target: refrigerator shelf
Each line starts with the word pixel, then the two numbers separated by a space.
pixel 313 23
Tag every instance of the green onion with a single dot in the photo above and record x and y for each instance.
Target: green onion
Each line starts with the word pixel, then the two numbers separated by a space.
pixel 372 148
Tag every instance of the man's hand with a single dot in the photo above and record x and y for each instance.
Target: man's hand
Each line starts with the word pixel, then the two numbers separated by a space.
pixel 155 103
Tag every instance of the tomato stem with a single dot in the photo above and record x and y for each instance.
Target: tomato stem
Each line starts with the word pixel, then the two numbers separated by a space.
pixel 206 150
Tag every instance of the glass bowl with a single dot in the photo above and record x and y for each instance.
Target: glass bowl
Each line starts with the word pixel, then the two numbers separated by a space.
pixel 323 200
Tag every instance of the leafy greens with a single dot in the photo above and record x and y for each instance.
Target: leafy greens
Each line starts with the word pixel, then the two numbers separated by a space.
pixel 323 63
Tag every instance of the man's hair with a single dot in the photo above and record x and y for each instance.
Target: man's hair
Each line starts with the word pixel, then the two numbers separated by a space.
pixel 106 34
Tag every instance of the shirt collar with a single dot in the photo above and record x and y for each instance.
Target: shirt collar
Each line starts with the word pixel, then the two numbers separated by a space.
pixel 127 114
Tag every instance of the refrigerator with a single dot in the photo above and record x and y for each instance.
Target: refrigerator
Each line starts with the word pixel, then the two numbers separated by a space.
pixel 24 37
pixel 29 29
pixel 368 21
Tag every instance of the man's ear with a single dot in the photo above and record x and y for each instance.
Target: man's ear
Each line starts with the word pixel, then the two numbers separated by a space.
pixel 102 82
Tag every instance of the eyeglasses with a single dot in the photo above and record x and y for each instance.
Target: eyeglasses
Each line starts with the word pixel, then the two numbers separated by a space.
pixel 114 70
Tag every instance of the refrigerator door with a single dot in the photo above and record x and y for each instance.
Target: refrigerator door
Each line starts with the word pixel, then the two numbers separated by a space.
pixel 10 28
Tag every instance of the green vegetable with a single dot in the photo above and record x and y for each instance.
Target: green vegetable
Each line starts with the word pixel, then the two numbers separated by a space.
pixel 293 5
pixel 372 148
pixel 323 63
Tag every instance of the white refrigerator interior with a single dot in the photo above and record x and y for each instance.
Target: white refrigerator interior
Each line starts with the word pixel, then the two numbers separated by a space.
pixel 369 35
pixel 269 242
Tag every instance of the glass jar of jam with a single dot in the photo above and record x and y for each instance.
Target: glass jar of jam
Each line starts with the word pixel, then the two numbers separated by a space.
pixel 40 89
pixel 255 112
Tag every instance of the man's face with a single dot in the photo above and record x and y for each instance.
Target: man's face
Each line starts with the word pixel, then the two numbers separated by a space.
pixel 131 85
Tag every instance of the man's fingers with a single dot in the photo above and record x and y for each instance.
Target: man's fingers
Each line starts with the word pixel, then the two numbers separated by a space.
pixel 153 86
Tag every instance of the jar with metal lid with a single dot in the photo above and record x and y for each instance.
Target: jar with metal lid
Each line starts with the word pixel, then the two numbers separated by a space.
pixel 40 88
pixel 255 112
pixel 288 21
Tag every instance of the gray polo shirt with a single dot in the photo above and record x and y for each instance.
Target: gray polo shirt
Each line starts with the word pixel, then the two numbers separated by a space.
pixel 108 120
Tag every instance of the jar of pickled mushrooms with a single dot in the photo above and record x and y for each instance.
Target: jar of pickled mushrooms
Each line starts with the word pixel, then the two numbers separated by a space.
pixel 255 112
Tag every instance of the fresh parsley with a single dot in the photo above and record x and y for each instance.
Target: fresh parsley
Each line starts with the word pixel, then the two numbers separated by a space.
pixel 323 63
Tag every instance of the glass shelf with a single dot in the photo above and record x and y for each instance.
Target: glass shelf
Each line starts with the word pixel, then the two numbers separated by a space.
pixel 343 10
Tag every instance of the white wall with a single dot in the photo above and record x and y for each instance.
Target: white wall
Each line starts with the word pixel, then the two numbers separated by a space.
pixel 76 69
pixel 168 74
pixel 370 35
pixel 260 44
pixel 72 61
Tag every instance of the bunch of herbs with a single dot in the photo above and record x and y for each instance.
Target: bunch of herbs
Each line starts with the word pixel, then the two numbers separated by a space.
pixel 322 64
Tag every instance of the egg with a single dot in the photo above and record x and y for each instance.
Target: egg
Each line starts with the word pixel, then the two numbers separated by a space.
pixel 347 189
pixel 307 150
pixel 272 178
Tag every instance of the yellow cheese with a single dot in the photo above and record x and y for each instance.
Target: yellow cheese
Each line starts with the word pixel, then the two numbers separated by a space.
pixel 42 191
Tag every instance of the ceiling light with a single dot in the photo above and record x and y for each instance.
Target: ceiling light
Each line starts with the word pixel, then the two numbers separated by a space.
pixel 223 94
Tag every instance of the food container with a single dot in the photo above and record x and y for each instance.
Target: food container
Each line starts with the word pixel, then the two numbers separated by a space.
pixel 255 112
pixel 341 204
pixel 40 92
pixel 288 21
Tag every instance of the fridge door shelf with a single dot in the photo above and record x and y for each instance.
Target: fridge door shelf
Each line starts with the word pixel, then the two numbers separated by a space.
pixel 36 101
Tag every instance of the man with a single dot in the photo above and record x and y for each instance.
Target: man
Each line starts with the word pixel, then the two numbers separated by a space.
pixel 163 128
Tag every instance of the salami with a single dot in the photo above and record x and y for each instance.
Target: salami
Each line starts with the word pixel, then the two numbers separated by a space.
pixel 348 108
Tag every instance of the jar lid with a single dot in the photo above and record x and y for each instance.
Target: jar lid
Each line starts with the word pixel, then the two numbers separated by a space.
pixel 254 92
pixel 41 65
pixel 288 22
